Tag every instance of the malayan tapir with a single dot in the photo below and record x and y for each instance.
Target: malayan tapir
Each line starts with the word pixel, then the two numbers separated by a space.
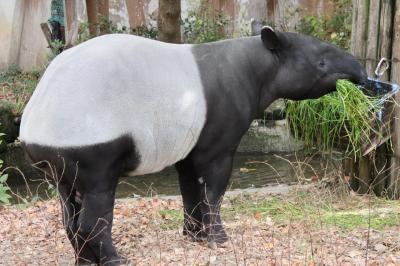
pixel 124 104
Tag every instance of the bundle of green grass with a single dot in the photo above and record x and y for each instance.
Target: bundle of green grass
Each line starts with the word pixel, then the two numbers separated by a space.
pixel 347 117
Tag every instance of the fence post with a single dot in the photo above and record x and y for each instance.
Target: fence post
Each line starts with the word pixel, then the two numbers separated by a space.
pixel 394 180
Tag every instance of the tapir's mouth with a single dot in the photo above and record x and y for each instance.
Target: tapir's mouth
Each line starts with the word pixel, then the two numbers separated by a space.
pixel 327 84
pixel 329 81
pixel 357 78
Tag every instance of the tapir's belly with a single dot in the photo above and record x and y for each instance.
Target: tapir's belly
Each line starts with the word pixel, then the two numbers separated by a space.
pixel 116 86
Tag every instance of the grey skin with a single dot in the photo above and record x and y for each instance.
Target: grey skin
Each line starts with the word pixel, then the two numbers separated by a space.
pixel 240 77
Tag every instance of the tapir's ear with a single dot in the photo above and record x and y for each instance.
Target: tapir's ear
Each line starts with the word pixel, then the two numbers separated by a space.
pixel 270 38
pixel 256 27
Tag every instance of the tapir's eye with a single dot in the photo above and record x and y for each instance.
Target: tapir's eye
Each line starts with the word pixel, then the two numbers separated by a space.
pixel 322 63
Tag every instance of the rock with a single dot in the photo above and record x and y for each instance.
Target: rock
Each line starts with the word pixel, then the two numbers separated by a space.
pixel 212 245
pixel 380 247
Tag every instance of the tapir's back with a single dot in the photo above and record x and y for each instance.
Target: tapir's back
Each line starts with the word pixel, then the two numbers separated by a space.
pixel 120 85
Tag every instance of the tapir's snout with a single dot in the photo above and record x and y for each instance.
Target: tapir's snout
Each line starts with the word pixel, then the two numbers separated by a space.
pixel 361 77
pixel 357 73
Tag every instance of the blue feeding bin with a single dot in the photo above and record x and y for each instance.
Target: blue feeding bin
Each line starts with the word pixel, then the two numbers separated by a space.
pixel 384 91
pixel 381 89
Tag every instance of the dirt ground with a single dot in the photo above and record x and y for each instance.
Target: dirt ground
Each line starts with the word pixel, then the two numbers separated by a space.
pixel 264 230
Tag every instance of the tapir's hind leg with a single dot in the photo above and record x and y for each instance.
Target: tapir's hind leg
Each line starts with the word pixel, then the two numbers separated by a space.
pixel 70 213
pixel 93 217
pixel 95 223
pixel 190 190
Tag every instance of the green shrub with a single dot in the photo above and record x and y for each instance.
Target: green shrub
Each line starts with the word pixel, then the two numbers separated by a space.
pixel 335 29
pixel 110 27
pixel 4 189
pixel 204 25
pixel 56 48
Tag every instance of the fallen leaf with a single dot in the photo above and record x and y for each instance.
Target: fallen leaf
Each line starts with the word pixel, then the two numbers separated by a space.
pixel 314 179
pixel 246 170
pixel 268 245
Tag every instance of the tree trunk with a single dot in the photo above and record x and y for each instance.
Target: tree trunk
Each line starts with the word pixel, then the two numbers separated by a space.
pixel 71 23
pixel 104 13
pixel 394 182
pixel 91 7
pixel 136 12
pixel 169 21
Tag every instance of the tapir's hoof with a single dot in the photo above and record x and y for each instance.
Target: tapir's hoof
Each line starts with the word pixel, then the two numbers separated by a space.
pixel 115 261
pixel 214 245
pixel 218 240
pixel 195 235
pixel 85 262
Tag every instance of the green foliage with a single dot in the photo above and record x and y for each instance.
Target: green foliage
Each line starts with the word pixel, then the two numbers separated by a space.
pixel 312 25
pixel 343 116
pixel 204 25
pixel 109 27
pixel 144 31
pixel 314 207
pixel 335 29
pixel 16 87
pixel 355 219
pixel 83 32
pixel 56 48
pixel 171 218
pixel 318 207
pixel 275 207
pixel 51 191
pixel 4 189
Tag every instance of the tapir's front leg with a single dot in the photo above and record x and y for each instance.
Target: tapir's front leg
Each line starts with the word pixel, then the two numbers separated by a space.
pixel 213 179
pixel 190 190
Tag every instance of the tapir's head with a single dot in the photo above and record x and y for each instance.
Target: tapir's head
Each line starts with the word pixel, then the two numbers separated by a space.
pixel 306 67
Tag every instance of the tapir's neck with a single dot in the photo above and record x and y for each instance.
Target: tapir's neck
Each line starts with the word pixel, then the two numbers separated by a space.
pixel 240 69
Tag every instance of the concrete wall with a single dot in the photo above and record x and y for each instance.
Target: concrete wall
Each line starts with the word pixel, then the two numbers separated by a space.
pixel 7 10
pixel 271 138
pixel 33 49
pixel 22 41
